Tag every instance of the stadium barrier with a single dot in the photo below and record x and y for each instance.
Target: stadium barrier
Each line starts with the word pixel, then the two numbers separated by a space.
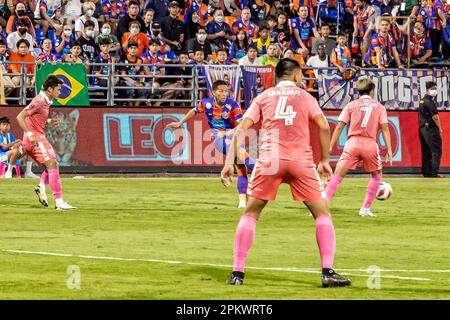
pixel 136 140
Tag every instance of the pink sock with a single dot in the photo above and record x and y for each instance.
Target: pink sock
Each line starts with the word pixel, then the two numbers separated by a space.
pixel 2 169
pixel 18 171
pixel 332 186
pixel 372 189
pixel 44 177
pixel 55 182
pixel 326 240
pixel 243 240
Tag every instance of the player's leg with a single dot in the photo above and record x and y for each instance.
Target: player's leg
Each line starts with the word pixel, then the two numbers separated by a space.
pixel 244 158
pixel 243 240
pixel 13 155
pixel 51 166
pixel 335 181
pixel 40 189
pixel 306 186
pixel 17 168
pixel 372 163
pixel 326 240
pixel 242 183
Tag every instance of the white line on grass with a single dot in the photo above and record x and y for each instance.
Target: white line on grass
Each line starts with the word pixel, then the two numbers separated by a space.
pixel 306 270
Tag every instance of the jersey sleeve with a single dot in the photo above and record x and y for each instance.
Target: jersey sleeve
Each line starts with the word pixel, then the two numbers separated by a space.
pixel 200 108
pixel 313 106
pixel 345 115
pixel 237 112
pixel 254 111
pixel 32 108
pixel 383 115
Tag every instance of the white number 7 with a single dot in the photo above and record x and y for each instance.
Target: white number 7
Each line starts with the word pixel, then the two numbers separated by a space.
pixel 367 112
pixel 285 112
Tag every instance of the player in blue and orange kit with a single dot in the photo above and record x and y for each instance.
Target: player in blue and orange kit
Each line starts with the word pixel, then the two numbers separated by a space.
pixel 223 116
pixel 7 142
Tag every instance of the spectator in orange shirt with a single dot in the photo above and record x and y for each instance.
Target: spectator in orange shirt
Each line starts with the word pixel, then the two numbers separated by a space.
pixel 22 55
pixel 19 13
pixel 134 35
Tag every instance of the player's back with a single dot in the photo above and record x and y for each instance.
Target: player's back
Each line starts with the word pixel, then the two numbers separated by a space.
pixel 38 111
pixel 284 112
pixel 364 117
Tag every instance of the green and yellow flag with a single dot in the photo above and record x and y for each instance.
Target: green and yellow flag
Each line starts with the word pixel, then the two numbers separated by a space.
pixel 74 90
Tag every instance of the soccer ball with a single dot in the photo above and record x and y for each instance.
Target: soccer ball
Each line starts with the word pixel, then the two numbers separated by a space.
pixel 384 191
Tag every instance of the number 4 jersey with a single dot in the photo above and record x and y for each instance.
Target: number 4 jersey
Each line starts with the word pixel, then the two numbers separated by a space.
pixel 364 117
pixel 284 112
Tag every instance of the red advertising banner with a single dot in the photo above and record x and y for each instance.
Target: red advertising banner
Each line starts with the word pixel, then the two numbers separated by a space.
pixel 136 137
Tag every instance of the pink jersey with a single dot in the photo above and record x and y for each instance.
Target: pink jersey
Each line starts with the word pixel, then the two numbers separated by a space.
pixel 37 111
pixel 364 116
pixel 284 112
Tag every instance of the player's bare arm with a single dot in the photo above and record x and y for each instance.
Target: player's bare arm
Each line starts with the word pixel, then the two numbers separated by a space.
pixel 324 167
pixel 22 123
pixel 387 139
pixel 238 139
pixel 337 132
pixel 186 118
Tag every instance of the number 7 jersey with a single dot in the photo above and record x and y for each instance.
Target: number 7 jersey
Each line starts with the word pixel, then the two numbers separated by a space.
pixel 364 117
pixel 284 112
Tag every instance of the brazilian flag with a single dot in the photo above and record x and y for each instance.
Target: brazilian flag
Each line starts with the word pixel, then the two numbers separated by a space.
pixel 74 90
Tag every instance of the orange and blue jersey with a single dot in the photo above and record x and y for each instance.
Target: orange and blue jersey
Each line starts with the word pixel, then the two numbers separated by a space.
pixel 201 9
pixel 305 31
pixel 386 45
pixel 147 58
pixel 429 16
pixel 341 56
pixel 114 11
pixel 6 139
pixel 220 120
pixel 249 29
pixel 363 16
pixel 420 45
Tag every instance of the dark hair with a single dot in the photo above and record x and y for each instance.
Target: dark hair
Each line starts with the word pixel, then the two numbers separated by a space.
pixel 264 27
pixel 23 22
pixel 134 21
pixel 325 25
pixel 341 34
pixel 252 46
pixel 52 81
pixel 222 50
pixel 286 23
pixel 285 67
pixel 133 2
pixel 154 41
pixel 236 42
pixel 4 120
pixel 201 28
pixel 89 23
pixel 218 83
pixel 2 43
pixel 104 41
pixel 430 84
pixel 133 44
pixel 75 44
pixel 183 52
pixel 27 43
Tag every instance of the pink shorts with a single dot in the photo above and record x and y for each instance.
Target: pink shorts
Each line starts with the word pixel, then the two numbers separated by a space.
pixel 302 178
pixel 361 149
pixel 40 153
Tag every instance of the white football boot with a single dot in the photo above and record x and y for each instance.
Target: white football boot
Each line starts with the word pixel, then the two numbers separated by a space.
pixel 363 212
pixel 31 175
pixel 42 195
pixel 62 205
pixel 242 201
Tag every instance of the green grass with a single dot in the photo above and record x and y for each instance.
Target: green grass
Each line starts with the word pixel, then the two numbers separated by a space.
pixel 194 219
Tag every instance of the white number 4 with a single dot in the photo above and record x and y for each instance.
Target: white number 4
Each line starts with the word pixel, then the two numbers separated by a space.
pixel 285 112
pixel 367 112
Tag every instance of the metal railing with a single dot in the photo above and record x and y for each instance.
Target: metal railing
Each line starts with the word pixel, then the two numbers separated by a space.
pixel 115 91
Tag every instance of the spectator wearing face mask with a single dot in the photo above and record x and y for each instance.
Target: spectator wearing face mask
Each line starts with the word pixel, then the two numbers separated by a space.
pixel 19 13
pixel 219 32
pixel 419 45
pixel 199 43
pixel 112 11
pixel 64 41
pixel 107 37
pixel 88 9
pixel 21 33
pixel 155 33
pixel 87 42
pixel 134 35
pixel 133 15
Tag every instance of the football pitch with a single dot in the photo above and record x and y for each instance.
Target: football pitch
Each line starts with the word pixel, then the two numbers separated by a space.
pixel 172 238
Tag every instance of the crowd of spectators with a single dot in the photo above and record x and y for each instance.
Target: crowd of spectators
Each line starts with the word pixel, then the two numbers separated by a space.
pixel 142 36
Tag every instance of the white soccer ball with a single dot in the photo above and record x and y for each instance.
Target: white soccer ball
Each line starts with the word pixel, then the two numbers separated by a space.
pixel 384 191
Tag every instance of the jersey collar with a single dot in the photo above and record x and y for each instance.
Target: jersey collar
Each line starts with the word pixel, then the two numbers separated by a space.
pixel 45 97
pixel 285 83
pixel 366 96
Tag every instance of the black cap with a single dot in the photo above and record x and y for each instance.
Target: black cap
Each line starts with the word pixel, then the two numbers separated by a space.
pixel 156 25
pixel 174 4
